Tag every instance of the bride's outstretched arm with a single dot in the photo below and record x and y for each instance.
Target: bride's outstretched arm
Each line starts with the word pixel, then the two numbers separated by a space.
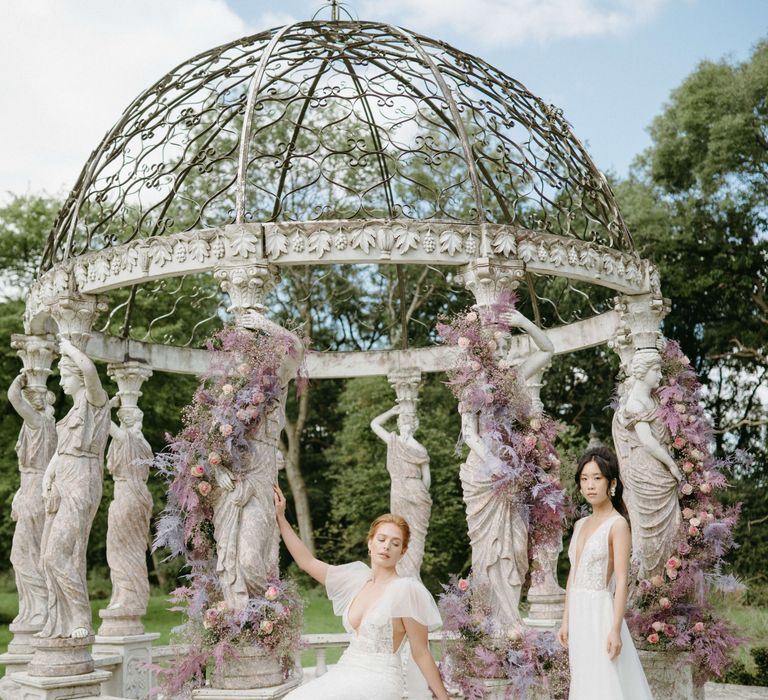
pixel 301 555
pixel 419 641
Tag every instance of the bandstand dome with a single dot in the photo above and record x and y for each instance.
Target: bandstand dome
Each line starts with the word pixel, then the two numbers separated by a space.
pixel 334 143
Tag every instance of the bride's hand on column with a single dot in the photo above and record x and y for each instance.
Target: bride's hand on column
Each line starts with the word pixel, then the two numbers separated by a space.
pixel 279 502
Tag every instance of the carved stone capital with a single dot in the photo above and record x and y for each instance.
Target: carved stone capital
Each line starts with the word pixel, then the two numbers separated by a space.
pixel 487 278
pixel 36 353
pixel 247 287
pixel 406 383
pixel 639 328
pixel 74 315
pixel 129 377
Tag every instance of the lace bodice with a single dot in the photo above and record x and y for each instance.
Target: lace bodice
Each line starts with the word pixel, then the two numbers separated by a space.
pixel 592 567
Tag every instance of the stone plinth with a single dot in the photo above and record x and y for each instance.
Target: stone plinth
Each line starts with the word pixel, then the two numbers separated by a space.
pixel 670 675
pixel 132 678
pixel 252 668
pixel 84 685
pixel 120 623
pixel 61 656
pixel 273 693
pixel 24 639
pixel 545 610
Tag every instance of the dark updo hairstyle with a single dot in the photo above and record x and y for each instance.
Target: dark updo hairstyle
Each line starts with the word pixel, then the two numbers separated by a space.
pixel 606 460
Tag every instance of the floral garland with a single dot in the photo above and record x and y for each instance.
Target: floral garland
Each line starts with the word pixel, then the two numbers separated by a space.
pixel 474 650
pixel 242 385
pixel 525 466
pixel 675 610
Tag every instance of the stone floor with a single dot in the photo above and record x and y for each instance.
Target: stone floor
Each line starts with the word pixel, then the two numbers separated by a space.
pixel 723 691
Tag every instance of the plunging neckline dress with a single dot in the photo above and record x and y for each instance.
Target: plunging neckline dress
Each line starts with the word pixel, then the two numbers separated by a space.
pixel 590 615
pixel 369 669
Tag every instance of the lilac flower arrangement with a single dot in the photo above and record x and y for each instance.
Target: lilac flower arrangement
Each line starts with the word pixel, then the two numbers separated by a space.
pixel 527 470
pixel 474 650
pixel 674 610
pixel 242 384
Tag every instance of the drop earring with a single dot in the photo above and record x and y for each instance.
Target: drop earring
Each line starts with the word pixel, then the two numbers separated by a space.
pixel 613 491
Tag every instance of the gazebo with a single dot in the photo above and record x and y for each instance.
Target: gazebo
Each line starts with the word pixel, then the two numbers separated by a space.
pixel 325 145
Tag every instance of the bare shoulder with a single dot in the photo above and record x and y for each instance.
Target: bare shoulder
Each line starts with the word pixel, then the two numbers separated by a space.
pixel 620 526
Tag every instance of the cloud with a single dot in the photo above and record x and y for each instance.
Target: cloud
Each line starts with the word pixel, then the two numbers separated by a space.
pixel 504 22
pixel 71 68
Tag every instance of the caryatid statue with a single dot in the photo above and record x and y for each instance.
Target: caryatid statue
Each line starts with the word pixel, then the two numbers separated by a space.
pixel 648 470
pixel 245 528
pixel 498 528
pixel 408 467
pixel 71 491
pixel 29 396
pixel 128 460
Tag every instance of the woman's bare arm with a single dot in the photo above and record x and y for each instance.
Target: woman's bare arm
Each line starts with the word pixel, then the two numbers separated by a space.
pixel 619 542
pixel 93 390
pixel 306 561
pixel 377 424
pixel 25 409
pixel 418 638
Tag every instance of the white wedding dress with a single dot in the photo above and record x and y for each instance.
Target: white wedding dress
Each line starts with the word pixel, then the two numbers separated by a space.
pixel 370 669
pixel 590 615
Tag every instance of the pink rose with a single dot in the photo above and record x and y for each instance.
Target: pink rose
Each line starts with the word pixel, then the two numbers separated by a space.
pixel 693 531
pixel 673 563
pixel 698 627
pixel 645 585
pixel 266 626
pixel 492 345
pixel 197 470
pixel 258 397
pixel 463 342
pixel 670 630
pixel 679 443
pixel 504 364
pixel 665 603
pixel 204 488
pixel 680 408
pixel 463 585
pixel 653 638
pixel 225 429
pixel 695 522
pixel 657 581
pixel 475 365
pixel 688 513
pixel 214 458
pixel 705 488
pixel 672 573
pixel 696 455
pixel 687 467
pixel 253 412
pixel 471 317
pixel 658 626
pixel 686 489
pixel 684 548
pixel 242 415
pixel 529 441
pixel 272 593
pixel 227 389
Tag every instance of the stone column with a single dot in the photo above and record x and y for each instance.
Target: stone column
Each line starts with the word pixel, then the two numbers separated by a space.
pixel 408 466
pixel 247 287
pixel 34 449
pixel 56 657
pixel 546 598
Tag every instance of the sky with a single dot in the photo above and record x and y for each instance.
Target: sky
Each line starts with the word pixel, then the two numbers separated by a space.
pixel 68 68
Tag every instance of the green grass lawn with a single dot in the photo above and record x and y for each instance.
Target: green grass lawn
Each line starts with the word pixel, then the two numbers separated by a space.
pixel 751 621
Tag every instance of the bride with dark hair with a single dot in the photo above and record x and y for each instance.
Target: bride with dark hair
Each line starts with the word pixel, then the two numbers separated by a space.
pixel 380 610
pixel 603 660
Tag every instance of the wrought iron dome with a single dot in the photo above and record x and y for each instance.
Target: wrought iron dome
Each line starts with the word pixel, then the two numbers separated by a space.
pixel 342 120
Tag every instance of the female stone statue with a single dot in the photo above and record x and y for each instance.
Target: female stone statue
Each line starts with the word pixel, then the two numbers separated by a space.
pixel 128 460
pixel 408 467
pixel 72 492
pixel 245 529
pixel 35 447
pixel 498 528
pixel 647 468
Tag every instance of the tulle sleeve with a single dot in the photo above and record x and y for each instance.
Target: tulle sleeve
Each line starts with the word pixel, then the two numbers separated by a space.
pixel 411 599
pixel 343 583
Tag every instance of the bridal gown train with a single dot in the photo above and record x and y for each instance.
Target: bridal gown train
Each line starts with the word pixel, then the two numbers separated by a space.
pixel 590 614
pixel 369 669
